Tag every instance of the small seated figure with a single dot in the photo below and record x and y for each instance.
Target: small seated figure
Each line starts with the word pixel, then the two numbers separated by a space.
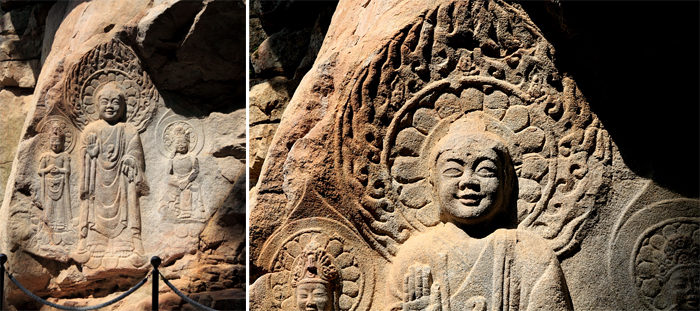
pixel 54 193
pixel 473 259
pixel 315 280
pixel 182 194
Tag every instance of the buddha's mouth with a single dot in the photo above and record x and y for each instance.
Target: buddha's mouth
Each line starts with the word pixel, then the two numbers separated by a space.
pixel 470 199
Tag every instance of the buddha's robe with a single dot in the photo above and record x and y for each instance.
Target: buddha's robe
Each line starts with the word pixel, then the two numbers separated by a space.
pixel 186 202
pixel 110 208
pixel 54 196
pixel 507 270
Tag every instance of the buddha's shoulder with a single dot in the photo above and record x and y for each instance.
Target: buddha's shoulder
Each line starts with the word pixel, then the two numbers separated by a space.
pixel 432 238
pixel 95 126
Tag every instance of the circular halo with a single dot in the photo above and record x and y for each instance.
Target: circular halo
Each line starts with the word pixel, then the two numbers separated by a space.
pixel 165 126
pixel 111 61
pixel 650 264
pixel 281 249
pixel 94 82
pixel 68 130
pixel 168 133
pixel 635 232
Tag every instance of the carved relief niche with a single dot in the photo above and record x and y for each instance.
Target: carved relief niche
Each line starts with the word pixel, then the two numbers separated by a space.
pixel 109 173
pixel 91 176
pixel 89 165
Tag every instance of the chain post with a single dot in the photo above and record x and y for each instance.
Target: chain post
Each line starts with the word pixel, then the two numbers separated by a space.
pixel 155 262
pixel 3 260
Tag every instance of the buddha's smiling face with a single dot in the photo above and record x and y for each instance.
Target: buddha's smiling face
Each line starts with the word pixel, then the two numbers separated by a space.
pixel 111 104
pixel 469 177
pixel 181 144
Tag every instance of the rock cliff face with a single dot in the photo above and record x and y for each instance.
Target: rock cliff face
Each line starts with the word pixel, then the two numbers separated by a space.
pixel 130 123
pixel 285 37
pixel 21 39
pixel 442 154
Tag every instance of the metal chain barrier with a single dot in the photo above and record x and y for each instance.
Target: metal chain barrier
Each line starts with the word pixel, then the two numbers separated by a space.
pixel 183 296
pixel 155 262
pixel 62 307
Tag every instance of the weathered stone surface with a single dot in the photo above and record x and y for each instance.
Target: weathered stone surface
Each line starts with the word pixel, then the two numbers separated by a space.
pixel 443 160
pixel 190 50
pixel 296 31
pixel 268 100
pixel 19 73
pixel 267 103
pixel 133 146
pixel 14 105
pixel 281 53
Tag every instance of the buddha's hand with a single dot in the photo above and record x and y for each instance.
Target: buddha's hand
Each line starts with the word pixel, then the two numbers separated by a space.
pixel 92 146
pixel 183 184
pixel 129 168
pixel 419 295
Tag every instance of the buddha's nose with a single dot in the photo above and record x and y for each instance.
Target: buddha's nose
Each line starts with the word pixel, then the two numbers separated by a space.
pixel 468 180
pixel 310 302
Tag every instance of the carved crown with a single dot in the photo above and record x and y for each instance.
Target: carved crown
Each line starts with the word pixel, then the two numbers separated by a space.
pixel 314 265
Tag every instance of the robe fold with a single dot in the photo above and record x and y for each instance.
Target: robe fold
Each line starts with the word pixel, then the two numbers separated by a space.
pixel 111 209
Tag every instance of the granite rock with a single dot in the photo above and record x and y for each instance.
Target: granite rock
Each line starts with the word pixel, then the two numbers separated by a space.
pixel 444 160
pixel 133 146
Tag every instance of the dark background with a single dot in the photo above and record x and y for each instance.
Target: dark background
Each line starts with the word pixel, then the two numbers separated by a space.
pixel 638 65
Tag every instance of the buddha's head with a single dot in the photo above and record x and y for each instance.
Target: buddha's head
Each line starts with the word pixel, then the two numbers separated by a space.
pixel 56 138
pixel 181 140
pixel 472 174
pixel 177 139
pixel 111 102
pixel 315 280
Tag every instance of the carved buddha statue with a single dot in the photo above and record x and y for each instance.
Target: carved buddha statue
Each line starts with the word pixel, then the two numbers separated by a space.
pixel 112 181
pixel 473 259
pixel 182 196
pixel 54 196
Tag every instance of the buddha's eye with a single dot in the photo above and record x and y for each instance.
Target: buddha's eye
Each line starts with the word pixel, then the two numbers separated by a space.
pixel 486 169
pixel 452 170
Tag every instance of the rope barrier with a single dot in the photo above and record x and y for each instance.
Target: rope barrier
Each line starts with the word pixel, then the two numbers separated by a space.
pixel 155 262
pixel 62 307
pixel 185 298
